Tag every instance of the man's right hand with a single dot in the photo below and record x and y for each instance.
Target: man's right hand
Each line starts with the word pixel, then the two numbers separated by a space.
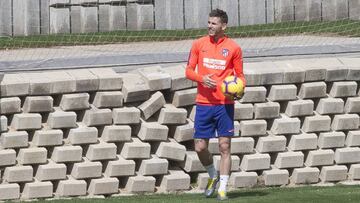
pixel 208 82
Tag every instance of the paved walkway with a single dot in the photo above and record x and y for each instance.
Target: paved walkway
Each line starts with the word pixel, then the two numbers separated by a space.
pixel 133 54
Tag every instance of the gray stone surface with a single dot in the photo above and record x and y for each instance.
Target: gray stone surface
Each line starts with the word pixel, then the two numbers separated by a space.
pixel 152 105
pixel 10 105
pixel 140 16
pixel 284 10
pixel 232 9
pixel 96 117
pixel 307 10
pixel 196 13
pixel 254 94
pixel 299 108
pixel 71 102
pixel 26 17
pixel 134 88
pixel 5 18
pixel 334 9
pixel 26 121
pixel 330 106
pixel 252 12
pixel 62 119
pixel 37 104
pixel 59 19
pixel 169 14
pixel 126 115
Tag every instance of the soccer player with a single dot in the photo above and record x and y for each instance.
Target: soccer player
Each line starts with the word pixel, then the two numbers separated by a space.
pixel 216 56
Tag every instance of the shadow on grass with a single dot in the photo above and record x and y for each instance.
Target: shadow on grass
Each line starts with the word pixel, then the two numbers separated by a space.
pixel 236 194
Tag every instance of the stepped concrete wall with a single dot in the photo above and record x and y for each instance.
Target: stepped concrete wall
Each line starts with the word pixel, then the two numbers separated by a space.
pixel 34 17
pixel 95 132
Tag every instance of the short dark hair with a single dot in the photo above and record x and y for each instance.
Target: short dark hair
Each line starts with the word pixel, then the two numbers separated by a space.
pixel 220 14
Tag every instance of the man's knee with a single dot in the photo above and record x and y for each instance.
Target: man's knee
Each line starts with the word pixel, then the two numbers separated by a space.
pixel 224 146
pixel 201 145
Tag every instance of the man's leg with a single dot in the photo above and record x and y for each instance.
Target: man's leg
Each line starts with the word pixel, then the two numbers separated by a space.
pixel 201 148
pixel 225 164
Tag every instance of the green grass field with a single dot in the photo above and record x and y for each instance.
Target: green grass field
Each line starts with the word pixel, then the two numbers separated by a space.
pixel 348 28
pixel 308 194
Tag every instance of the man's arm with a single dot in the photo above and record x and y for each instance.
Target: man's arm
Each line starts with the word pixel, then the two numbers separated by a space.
pixel 238 65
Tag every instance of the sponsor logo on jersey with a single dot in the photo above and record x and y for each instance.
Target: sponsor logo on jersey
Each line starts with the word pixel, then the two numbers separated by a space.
pixel 216 64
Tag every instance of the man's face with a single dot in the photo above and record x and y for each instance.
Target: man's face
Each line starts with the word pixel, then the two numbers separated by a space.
pixel 215 26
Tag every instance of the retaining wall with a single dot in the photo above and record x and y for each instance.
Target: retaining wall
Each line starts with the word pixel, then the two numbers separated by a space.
pixel 33 17
pixel 94 132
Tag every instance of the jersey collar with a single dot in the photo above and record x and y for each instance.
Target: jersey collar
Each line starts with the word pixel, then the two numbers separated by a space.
pixel 219 41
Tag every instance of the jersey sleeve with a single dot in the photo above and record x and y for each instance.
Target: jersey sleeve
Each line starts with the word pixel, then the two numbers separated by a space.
pixel 238 65
pixel 192 63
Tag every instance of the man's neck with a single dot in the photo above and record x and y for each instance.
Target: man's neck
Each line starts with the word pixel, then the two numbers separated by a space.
pixel 217 37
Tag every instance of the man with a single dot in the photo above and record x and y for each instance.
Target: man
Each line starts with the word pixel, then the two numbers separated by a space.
pixel 216 57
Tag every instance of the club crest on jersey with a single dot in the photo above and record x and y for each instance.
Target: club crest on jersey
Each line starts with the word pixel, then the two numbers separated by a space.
pixel 225 52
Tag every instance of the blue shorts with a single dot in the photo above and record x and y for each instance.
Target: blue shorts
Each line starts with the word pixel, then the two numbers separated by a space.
pixel 214 121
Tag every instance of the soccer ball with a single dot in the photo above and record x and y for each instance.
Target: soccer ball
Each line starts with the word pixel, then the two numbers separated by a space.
pixel 232 87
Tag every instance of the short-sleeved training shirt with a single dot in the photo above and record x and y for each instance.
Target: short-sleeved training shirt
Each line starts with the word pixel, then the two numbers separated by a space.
pixel 221 58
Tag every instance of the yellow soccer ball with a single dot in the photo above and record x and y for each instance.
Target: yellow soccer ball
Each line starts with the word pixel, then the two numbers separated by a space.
pixel 232 87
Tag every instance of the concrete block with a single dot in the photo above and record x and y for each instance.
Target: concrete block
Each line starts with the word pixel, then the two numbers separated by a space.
pixel 140 183
pixel 292 73
pixel 352 63
pixel 134 88
pixel 352 105
pixel 96 117
pixel 175 180
pixel 16 174
pixel 86 81
pixel 276 177
pixel 116 133
pixel 169 15
pixel 330 106
pixel 38 104
pixel 354 172
pixel 26 121
pixel 312 90
pixel 242 145
pixel 304 141
pixel 9 191
pixel 285 125
pixel 101 151
pixel 62 119
pixel 196 13
pixel 155 76
pixel 243 179
pixel 263 73
pixel 71 188
pixel 116 20
pixel 152 105
pixel 120 167
pixel 235 162
pixel 39 83
pixel 333 173
pixel 3 124
pixel 271 144
pixel 63 154
pixel 182 133
pixel 202 180
pixel 86 170
pixel 89 19
pixel 61 82
pixel 282 93
pixel 353 139
pixel 307 10
pixel 26 17
pixel 103 186
pixel 135 149
pixel 51 171
pixel 299 108
pixel 10 105
pixel 153 166
pixel 232 9
pixel 289 160
pixel 43 138
pixel 334 10
pixel 153 131
pixel 37 190
pixel 284 11
pixel 254 162
pixel 254 14
pixel 32 156
pixel 7 157
pixel 14 85
pixel 192 162
pixel 172 115
pixel 343 89
pixel 108 78
pixel 316 123
pixel 345 122
pixel 305 175
pixel 108 99
pixel 171 150
pixel 83 135
pixel 320 158
pixel 141 16
pixel 331 140
pixel 126 115
pixel 253 128
pixel 254 95
pixel 185 97
pixel 5 18
pixel 178 78
pixel 71 102
pixel 347 155
pixel 243 111
pixel 59 20
pixel 266 110
pixel 14 139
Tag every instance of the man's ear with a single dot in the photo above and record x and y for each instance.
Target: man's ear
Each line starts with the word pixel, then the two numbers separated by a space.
pixel 224 26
